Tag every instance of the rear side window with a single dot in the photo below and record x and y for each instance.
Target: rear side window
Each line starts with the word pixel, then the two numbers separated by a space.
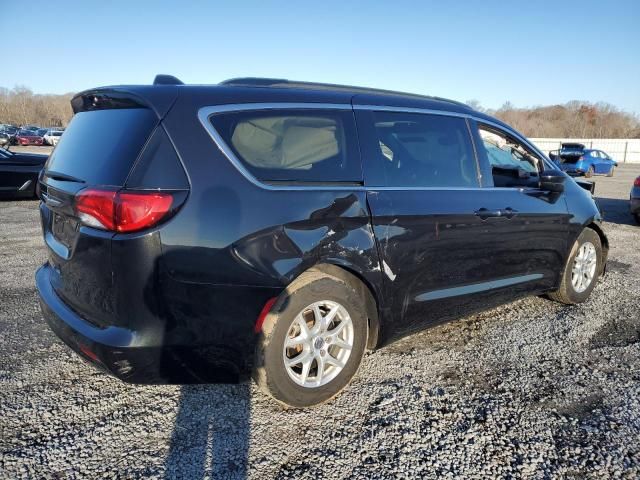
pixel 293 145
pixel 100 146
pixel 158 166
pixel 416 150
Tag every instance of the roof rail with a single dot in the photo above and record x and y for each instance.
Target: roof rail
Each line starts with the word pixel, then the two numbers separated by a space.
pixel 280 82
pixel 162 79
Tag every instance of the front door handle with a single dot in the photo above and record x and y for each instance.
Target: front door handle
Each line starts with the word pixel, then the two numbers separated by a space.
pixel 485 213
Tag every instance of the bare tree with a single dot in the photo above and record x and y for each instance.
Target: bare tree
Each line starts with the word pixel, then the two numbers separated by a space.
pixel 576 119
pixel 20 106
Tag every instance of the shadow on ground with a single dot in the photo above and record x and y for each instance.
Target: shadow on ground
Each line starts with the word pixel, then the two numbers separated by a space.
pixel 616 210
pixel 211 434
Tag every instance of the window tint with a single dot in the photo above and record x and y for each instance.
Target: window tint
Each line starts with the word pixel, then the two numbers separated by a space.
pixel 100 146
pixel 158 166
pixel 293 145
pixel 512 164
pixel 417 150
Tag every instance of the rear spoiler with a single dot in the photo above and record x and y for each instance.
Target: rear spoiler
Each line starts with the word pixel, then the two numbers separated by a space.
pixel 159 98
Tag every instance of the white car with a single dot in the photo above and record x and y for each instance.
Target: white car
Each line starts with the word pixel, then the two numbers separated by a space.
pixel 52 137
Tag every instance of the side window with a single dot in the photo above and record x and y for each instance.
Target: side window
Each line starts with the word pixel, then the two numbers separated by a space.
pixel 595 154
pixel 293 145
pixel 416 150
pixel 512 164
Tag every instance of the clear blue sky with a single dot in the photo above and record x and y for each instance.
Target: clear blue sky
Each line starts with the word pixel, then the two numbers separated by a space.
pixel 527 52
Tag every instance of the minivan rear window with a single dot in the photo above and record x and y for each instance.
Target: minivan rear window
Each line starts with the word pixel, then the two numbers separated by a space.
pixel 100 146
pixel 293 145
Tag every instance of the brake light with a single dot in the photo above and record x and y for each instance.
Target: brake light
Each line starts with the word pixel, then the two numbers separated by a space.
pixel 120 211
pixel 636 183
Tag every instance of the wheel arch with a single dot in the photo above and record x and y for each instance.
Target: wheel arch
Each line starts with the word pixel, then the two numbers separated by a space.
pixel 604 241
pixel 366 290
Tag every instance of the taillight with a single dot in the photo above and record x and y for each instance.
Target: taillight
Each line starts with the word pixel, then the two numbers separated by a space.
pixel 121 211
pixel 636 183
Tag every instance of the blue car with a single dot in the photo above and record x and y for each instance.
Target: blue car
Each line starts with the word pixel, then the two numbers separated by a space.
pixel 577 160
pixel 634 200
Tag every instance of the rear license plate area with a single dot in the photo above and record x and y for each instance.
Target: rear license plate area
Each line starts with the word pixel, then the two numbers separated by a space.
pixel 64 229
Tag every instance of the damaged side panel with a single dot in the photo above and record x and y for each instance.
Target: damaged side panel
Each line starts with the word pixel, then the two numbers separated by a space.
pixel 323 227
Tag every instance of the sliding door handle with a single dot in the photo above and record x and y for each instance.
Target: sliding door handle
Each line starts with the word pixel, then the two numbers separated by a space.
pixel 484 213
pixel 509 212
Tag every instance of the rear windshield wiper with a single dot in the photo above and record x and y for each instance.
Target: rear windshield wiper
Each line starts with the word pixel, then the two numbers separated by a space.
pixel 62 176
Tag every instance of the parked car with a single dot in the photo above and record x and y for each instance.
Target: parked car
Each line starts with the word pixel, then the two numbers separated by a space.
pixel 28 137
pixel 246 229
pixel 19 173
pixel 12 132
pixel 52 137
pixel 32 128
pixel 575 159
pixel 5 139
pixel 634 199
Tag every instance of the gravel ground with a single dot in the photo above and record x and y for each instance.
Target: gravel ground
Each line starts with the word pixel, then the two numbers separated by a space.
pixel 533 389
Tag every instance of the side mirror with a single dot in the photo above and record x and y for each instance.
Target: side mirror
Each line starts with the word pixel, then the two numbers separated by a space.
pixel 552 180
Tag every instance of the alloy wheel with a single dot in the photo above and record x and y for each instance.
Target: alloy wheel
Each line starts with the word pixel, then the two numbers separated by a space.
pixel 584 267
pixel 318 344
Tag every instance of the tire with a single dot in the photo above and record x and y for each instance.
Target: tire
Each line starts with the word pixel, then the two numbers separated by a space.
pixel 637 217
pixel 589 172
pixel 287 384
pixel 610 174
pixel 568 293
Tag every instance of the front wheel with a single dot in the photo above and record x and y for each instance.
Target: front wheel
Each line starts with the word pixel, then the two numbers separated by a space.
pixel 581 270
pixel 312 341
pixel 610 174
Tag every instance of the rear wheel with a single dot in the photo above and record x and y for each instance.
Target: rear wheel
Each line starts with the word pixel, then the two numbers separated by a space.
pixel 312 341
pixel 582 269
pixel 637 217
pixel 610 174
pixel 589 172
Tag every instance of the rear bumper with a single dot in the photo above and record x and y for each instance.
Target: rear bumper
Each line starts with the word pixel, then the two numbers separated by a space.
pixel 127 354
pixel 634 205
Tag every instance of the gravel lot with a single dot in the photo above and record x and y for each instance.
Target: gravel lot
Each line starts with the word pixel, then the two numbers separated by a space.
pixel 533 389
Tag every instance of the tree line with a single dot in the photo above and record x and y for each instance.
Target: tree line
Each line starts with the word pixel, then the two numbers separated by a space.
pixel 575 119
pixel 20 106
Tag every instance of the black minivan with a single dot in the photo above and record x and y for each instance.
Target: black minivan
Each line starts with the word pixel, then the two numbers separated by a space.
pixel 277 229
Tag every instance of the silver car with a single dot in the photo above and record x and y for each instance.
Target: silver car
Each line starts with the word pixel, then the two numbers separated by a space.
pixel 52 137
